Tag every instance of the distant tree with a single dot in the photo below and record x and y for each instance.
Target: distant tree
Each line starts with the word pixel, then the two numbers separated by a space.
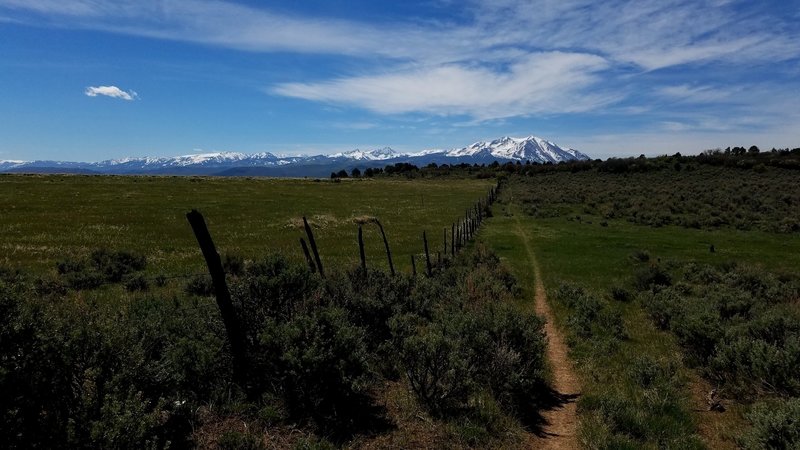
pixel 356 172
pixel 753 150
pixel 333 175
pixel 341 174
pixel 369 172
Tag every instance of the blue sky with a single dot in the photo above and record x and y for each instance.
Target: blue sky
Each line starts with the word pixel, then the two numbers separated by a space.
pixel 93 79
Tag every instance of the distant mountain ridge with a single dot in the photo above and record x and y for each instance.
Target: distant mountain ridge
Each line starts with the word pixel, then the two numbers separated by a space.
pixel 531 148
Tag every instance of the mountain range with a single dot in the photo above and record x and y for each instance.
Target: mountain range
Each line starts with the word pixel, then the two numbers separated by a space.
pixel 505 149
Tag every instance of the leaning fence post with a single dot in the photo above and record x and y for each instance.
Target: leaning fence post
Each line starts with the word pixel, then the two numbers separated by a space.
pixel 361 249
pixel 427 255
pixel 310 261
pixel 313 243
pixel 229 318
pixel 386 244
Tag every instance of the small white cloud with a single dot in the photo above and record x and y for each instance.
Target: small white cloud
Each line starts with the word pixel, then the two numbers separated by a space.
pixel 111 91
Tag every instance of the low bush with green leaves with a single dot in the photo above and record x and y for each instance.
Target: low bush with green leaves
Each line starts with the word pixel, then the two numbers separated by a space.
pixel 776 425
pixel 101 267
pixel 736 323
pixel 135 372
pixel 741 327
pixel 634 400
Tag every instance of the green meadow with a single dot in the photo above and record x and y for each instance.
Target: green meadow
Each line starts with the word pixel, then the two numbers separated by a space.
pixel 580 248
pixel 49 218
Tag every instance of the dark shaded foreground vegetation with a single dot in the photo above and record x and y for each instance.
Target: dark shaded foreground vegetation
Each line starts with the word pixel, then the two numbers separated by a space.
pixel 152 368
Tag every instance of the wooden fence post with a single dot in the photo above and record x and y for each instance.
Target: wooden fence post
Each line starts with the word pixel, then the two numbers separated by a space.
pixel 230 320
pixel 310 261
pixel 313 243
pixel 444 242
pixel 361 250
pixel 413 266
pixel 427 255
pixel 453 240
pixel 386 244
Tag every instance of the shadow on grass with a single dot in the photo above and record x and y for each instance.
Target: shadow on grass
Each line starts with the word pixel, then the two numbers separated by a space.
pixel 362 418
pixel 532 412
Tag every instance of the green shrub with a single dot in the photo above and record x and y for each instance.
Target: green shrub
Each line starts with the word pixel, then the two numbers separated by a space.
pixel 589 317
pixel 236 440
pixel 109 380
pixel 200 285
pixel 114 265
pixel 641 256
pixel 84 280
pixel 136 283
pixel 49 287
pixel 648 373
pixel 102 266
pixel 698 331
pixel 233 265
pixel 314 443
pixel 775 425
pixel 662 306
pixel 319 363
pixel 273 288
pixel 439 369
pixel 652 277
pixel 620 294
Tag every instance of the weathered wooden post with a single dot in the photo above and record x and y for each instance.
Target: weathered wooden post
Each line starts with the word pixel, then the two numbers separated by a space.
pixel 232 326
pixel 386 244
pixel 313 243
pixel 453 240
pixel 310 261
pixel 444 242
pixel 427 255
pixel 413 266
pixel 361 250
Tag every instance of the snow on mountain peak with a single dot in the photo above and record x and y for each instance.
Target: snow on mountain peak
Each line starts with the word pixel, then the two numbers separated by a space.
pixel 531 148
pixel 368 155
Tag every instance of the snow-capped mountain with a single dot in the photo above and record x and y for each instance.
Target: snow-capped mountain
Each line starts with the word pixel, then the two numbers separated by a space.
pixel 505 149
pixel 531 148
pixel 217 159
pixel 380 154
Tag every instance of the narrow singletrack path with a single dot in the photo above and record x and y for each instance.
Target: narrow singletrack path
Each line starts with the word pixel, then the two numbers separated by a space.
pixel 561 422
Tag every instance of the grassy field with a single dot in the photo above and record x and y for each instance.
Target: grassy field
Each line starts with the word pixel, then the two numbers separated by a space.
pixel 590 239
pixel 596 253
pixel 48 218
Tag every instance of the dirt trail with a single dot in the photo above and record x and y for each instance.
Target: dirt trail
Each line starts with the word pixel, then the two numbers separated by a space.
pixel 561 422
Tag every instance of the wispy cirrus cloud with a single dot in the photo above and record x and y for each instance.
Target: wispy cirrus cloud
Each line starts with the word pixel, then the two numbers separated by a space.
pixel 110 91
pixel 502 58
pixel 541 83
pixel 651 34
